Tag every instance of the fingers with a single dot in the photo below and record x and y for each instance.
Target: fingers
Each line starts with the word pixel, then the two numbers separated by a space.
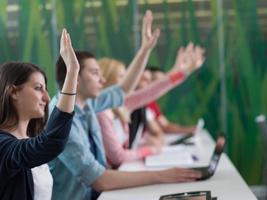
pixel 155 36
pixel 144 25
pixel 180 51
pixel 65 40
pixel 193 57
pixel 62 37
pixel 147 24
pixel 200 58
pixel 68 41
pixel 149 38
pixel 190 51
pixel 190 47
pixel 149 18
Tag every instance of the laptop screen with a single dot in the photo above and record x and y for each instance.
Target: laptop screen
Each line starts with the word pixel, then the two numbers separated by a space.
pixel 217 153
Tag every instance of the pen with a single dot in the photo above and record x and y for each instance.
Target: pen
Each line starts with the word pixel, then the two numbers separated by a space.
pixel 195 158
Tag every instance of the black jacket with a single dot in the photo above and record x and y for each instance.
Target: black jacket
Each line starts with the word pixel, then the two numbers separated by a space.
pixel 17 157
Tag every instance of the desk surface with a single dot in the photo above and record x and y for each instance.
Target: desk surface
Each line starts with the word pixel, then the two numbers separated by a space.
pixel 226 184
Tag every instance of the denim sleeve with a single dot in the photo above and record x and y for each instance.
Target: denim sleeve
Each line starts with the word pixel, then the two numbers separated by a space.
pixel 78 159
pixel 16 154
pixel 110 97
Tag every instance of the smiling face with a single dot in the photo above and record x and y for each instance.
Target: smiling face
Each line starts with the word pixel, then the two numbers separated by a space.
pixel 31 98
pixel 90 81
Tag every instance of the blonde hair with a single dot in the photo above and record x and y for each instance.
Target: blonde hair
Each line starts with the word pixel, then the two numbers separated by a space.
pixel 110 68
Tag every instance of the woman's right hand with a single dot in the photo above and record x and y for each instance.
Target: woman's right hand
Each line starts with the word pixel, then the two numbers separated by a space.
pixel 67 52
pixel 149 38
pixel 189 59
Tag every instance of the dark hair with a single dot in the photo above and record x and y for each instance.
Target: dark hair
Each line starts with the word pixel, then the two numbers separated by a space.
pixel 154 68
pixel 61 67
pixel 16 74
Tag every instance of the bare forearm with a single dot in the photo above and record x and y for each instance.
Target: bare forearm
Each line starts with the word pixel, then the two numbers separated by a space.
pixel 112 179
pixel 153 91
pixel 66 102
pixel 135 70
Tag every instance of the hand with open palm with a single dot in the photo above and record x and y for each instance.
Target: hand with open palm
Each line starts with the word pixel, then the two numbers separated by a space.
pixel 149 37
pixel 67 52
pixel 189 59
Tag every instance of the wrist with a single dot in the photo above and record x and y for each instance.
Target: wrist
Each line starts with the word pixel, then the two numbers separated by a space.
pixel 145 49
pixel 176 76
pixel 68 93
pixel 146 151
pixel 158 176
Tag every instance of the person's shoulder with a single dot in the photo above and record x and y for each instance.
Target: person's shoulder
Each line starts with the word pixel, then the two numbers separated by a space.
pixel 111 89
pixel 5 136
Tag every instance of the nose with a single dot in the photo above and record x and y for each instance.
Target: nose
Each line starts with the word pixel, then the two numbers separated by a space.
pixel 46 96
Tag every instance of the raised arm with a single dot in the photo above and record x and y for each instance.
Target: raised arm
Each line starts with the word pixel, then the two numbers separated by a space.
pixel 31 152
pixel 187 60
pixel 137 66
pixel 66 100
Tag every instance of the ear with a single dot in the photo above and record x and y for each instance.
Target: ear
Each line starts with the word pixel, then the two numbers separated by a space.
pixel 13 92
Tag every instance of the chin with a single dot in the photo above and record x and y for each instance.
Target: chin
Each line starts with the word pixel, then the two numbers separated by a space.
pixel 40 114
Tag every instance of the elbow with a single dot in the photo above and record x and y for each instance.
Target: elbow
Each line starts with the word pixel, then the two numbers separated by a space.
pixel 126 89
pixel 101 184
pixel 116 160
pixel 99 187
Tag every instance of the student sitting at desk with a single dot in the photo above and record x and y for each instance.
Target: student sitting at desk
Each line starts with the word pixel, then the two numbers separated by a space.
pixel 114 122
pixel 166 125
pixel 26 145
pixel 80 171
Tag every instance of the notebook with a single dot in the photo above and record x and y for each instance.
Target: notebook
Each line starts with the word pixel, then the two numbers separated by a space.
pixel 177 158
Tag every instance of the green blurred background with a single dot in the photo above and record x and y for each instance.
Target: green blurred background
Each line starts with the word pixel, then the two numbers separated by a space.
pixel 228 92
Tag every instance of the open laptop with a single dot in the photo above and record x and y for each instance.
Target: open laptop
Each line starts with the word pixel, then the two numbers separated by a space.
pixel 209 170
pixel 261 122
pixel 262 125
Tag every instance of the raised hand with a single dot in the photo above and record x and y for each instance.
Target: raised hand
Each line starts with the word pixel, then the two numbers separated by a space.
pixel 67 52
pixel 189 59
pixel 149 38
pixel 68 92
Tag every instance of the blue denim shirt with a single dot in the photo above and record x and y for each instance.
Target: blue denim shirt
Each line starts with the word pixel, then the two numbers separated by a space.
pixel 76 168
